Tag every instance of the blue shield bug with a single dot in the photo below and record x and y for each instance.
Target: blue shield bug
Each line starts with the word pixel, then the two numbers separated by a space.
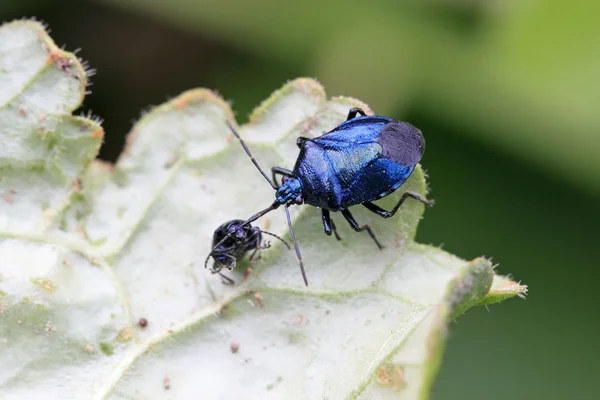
pixel 361 160
pixel 231 241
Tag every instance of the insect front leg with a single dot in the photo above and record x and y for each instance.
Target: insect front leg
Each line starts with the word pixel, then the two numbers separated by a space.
pixel 328 224
pixel 354 112
pixel 280 171
pixel 255 242
pixel 359 228
pixel 255 256
pixel 387 214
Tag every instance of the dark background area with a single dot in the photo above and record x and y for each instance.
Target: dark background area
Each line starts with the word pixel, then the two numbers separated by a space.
pixel 506 94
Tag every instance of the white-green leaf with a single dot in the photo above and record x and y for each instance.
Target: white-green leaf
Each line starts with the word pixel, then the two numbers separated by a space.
pixel 86 250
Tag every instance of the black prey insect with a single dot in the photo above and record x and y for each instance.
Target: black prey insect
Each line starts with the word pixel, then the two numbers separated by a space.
pixel 231 241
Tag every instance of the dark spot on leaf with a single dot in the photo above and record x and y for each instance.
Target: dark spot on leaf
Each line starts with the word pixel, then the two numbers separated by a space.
pixel 234 347
pixel 270 386
pixel 106 348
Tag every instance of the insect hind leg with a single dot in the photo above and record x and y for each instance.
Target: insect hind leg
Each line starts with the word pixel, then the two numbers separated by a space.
pixel 346 213
pixel 388 214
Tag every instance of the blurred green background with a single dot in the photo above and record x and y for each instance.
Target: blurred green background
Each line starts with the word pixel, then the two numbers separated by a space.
pixel 506 92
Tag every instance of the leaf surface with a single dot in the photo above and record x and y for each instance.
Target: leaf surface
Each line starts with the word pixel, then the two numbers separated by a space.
pixel 88 249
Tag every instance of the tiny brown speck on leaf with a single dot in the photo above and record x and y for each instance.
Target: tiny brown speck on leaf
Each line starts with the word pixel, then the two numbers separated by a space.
pixel 49 327
pixel 258 296
pixel 125 335
pixel 234 347
pixel 93 260
pixel 301 320
pixel 171 161
pixel 143 322
pixel 247 274
pixel 98 133
pixel 182 101
pixel 45 284
pixel 166 383
pixel 391 375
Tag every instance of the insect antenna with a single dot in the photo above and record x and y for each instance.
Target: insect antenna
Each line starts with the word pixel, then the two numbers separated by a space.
pixel 250 155
pixel 298 254
pixel 233 263
pixel 275 236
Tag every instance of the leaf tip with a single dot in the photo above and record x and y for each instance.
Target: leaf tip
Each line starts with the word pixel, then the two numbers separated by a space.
pixel 306 86
pixel 201 95
pixel 353 102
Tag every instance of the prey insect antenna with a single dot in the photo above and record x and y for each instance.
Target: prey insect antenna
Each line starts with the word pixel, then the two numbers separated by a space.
pixel 212 252
pixel 233 261
pixel 250 155
pixel 275 236
pixel 298 254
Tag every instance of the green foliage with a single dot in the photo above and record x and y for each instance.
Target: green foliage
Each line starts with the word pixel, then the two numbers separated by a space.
pixel 87 250
pixel 521 76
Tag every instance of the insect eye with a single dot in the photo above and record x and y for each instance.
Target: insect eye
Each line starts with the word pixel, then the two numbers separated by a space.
pixel 285 179
pixel 298 200
pixel 222 261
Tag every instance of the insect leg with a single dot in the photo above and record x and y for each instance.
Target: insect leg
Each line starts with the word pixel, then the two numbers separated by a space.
pixel 226 280
pixel 253 257
pixel 277 237
pixel 255 241
pixel 298 254
pixel 300 141
pixel 358 228
pixel 335 230
pixel 280 171
pixel 353 112
pixel 387 214
pixel 328 224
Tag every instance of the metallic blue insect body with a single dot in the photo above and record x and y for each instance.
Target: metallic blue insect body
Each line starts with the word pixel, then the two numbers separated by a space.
pixel 361 160
pixel 231 241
